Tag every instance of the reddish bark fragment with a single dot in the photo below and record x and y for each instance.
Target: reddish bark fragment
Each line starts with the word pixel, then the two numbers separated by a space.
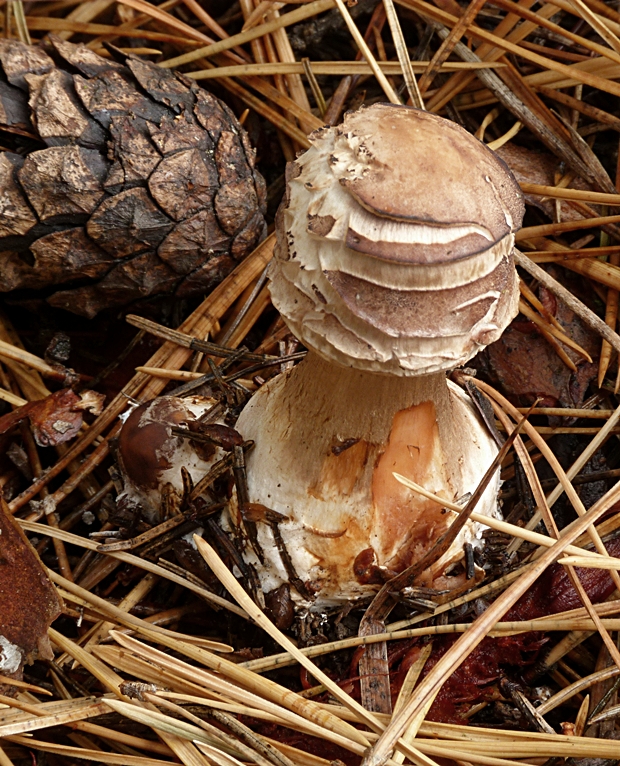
pixel 279 606
pixel 366 570
pixel 553 592
pixel 29 602
pixel 473 681
pixel 216 433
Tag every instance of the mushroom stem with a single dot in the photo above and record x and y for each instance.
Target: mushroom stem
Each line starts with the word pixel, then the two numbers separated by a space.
pixel 328 440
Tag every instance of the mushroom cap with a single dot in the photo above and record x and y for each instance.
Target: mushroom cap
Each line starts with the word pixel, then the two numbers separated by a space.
pixel 421 168
pixel 151 455
pixel 395 241
pixel 146 443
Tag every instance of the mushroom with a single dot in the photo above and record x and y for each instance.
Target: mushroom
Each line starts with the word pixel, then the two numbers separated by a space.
pixel 156 460
pixel 393 264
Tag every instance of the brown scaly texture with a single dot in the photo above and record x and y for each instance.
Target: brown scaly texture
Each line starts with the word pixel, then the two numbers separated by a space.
pixel 144 182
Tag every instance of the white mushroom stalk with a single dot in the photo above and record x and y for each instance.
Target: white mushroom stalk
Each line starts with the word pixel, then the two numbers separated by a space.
pixel 393 265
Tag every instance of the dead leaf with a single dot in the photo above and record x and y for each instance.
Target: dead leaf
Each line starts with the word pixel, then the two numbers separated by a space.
pixel 541 168
pixel 525 367
pixel 55 419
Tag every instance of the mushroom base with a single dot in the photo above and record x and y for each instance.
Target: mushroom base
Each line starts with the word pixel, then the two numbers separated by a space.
pixel 328 441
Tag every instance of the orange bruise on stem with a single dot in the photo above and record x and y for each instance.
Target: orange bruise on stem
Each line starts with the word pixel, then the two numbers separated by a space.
pixel 328 440
pixel 409 525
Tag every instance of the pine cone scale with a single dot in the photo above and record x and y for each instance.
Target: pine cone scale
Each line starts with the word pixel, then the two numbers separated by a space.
pixel 14 115
pixel 182 249
pixel 157 171
pixel 16 217
pixel 60 118
pixel 183 184
pixel 18 60
pixel 63 182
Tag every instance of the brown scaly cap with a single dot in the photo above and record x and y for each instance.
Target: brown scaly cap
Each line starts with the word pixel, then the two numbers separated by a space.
pixel 156 463
pixel 420 168
pixel 395 242
pixel 146 443
pixel 412 188
pixel 410 312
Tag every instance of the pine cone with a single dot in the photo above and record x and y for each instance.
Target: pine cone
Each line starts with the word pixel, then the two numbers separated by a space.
pixel 147 184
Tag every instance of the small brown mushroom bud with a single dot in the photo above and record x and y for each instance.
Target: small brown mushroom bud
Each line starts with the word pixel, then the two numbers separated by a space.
pixel 393 264
pixel 152 450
